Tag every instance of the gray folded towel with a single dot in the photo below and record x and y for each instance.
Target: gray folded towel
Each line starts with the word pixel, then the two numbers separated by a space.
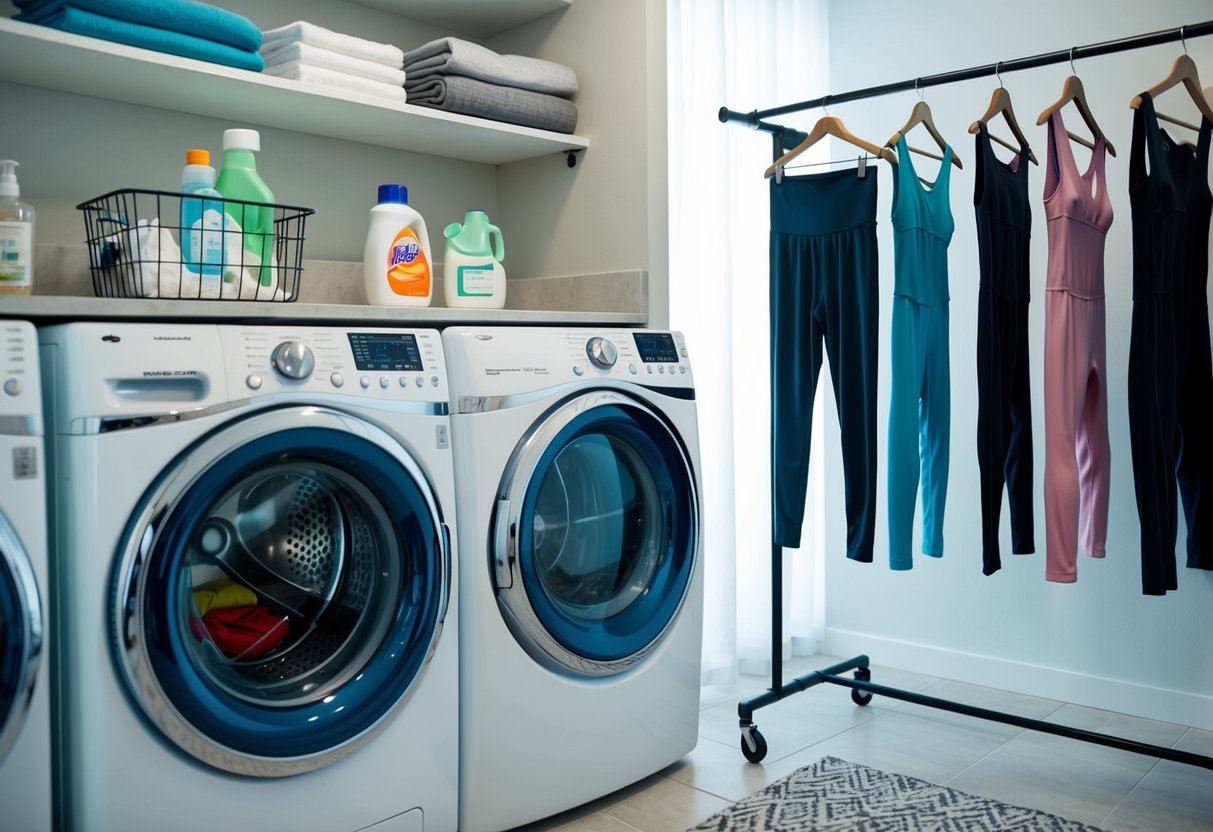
pixel 453 56
pixel 457 94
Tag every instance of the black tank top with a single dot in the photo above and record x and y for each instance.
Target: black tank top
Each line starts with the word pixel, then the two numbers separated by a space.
pixel 1171 206
pixel 1004 219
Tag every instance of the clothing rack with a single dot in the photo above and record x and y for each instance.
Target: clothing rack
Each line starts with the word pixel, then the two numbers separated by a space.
pixel 753 744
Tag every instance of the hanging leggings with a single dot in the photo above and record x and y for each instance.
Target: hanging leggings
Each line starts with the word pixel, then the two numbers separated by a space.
pixel 824 290
pixel 1004 398
pixel 1170 370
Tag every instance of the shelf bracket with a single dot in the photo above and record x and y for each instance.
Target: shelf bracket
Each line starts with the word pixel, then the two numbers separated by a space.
pixel 570 157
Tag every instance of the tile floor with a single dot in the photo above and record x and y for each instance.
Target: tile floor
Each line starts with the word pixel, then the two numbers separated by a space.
pixel 1113 789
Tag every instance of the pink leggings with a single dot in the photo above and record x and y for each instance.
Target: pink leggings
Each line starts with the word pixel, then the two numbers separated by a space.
pixel 1078 456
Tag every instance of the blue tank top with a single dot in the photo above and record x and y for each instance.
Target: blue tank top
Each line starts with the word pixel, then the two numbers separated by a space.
pixel 922 228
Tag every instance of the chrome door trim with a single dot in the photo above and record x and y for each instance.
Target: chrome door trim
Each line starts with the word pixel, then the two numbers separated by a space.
pixel 16 558
pixel 132 564
pixel 519 474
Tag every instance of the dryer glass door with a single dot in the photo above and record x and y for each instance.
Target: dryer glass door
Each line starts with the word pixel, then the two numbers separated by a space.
pixel 283 591
pixel 605 531
pixel 20 634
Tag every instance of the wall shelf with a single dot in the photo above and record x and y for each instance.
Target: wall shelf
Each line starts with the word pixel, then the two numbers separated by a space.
pixel 42 57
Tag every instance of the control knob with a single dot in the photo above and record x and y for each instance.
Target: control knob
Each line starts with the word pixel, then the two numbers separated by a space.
pixel 602 352
pixel 293 359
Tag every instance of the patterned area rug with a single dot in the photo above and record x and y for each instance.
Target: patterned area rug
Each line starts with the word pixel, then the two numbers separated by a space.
pixel 833 795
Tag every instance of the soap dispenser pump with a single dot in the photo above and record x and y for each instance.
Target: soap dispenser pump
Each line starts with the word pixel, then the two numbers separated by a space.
pixel 472 274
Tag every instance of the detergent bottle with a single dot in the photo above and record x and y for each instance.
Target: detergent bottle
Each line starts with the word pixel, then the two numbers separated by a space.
pixel 472 274
pixel 396 262
pixel 239 180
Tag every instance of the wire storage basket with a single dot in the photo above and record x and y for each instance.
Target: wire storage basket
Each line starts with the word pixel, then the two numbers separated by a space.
pixel 162 244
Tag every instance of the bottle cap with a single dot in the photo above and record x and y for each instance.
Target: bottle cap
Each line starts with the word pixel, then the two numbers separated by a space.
pixel 8 178
pixel 240 139
pixel 194 156
pixel 394 193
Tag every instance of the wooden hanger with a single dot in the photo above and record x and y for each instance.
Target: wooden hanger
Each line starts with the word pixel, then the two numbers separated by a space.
pixel 1000 103
pixel 830 126
pixel 921 114
pixel 1183 71
pixel 1072 90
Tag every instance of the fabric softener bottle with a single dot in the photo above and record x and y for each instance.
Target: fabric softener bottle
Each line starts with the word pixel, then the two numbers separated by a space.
pixel 239 180
pixel 472 274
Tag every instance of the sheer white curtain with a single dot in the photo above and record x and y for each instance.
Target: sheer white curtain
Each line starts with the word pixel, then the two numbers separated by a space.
pixel 746 54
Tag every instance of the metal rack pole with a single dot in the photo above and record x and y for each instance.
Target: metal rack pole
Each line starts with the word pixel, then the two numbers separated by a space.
pixel 756 118
pixel 753 744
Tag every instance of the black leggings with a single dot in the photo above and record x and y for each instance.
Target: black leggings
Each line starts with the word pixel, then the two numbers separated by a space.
pixel 824 290
pixel 1004 423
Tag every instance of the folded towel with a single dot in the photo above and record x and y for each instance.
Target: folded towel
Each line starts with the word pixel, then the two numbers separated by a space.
pixel 184 16
pixel 338 80
pixel 302 54
pixel 452 56
pixel 457 94
pixel 146 262
pixel 303 32
pixel 81 22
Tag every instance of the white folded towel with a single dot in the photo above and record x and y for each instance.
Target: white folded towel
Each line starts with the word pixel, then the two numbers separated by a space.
pixel 303 32
pixel 332 79
pixel 149 266
pixel 307 55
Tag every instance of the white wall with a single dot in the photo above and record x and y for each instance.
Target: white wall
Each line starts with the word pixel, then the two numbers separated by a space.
pixel 1098 641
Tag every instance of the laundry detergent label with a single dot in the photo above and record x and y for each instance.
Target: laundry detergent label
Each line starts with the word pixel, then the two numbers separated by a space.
pixel 16 248
pixel 408 271
pixel 475 281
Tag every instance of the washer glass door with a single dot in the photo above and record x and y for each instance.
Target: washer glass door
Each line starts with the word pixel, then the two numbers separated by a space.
pixel 605 533
pixel 282 592
pixel 20 634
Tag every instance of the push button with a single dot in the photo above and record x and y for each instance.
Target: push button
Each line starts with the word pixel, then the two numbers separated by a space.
pixel 364 382
pixel 384 382
pixel 13 387
pixel 253 381
pixel 337 380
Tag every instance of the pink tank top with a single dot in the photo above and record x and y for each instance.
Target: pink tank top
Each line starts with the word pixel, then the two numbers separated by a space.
pixel 1079 214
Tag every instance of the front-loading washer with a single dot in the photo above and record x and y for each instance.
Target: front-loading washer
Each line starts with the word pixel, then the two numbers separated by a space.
pixel 25 711
pixel 576 461
pixel 254 529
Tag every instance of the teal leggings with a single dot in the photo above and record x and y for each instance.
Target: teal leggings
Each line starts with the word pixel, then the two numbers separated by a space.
pixel 919 427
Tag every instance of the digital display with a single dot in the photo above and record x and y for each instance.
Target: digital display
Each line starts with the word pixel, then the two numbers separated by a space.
pixel 656 347
pixel 386 351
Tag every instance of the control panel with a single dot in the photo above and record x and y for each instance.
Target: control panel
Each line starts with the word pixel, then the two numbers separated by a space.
pixel 486 361
pixel 20 389
pixel 367 361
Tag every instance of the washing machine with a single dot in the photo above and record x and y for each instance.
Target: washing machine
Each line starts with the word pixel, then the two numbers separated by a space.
pixel 25 722
pixel 581 597
pixel 254 531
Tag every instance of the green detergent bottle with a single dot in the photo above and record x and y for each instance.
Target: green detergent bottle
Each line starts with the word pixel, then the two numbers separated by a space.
pixel 238 179
pixel 472 274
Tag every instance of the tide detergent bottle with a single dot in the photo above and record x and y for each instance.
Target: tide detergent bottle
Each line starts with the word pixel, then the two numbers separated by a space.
pixel 472 274
pixel 396 260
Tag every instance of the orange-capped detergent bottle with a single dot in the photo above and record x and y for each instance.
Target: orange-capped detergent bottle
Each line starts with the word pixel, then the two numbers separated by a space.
pixel 397 268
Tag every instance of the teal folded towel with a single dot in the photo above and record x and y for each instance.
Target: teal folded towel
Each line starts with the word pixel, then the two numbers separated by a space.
pixel 189 18
pixel 82 22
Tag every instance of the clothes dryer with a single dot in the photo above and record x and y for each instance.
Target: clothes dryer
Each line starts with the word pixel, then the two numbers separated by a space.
pixel 258 624
pixel 581 597
pixel 25 712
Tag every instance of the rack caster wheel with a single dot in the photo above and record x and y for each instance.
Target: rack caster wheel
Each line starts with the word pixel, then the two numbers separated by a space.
pixel 759 749
pixel 859 697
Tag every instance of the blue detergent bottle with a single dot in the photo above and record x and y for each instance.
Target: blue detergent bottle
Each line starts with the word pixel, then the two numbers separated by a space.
pixel 201 219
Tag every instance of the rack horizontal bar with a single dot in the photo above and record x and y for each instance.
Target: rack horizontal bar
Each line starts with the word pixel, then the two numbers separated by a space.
pixel 756 118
